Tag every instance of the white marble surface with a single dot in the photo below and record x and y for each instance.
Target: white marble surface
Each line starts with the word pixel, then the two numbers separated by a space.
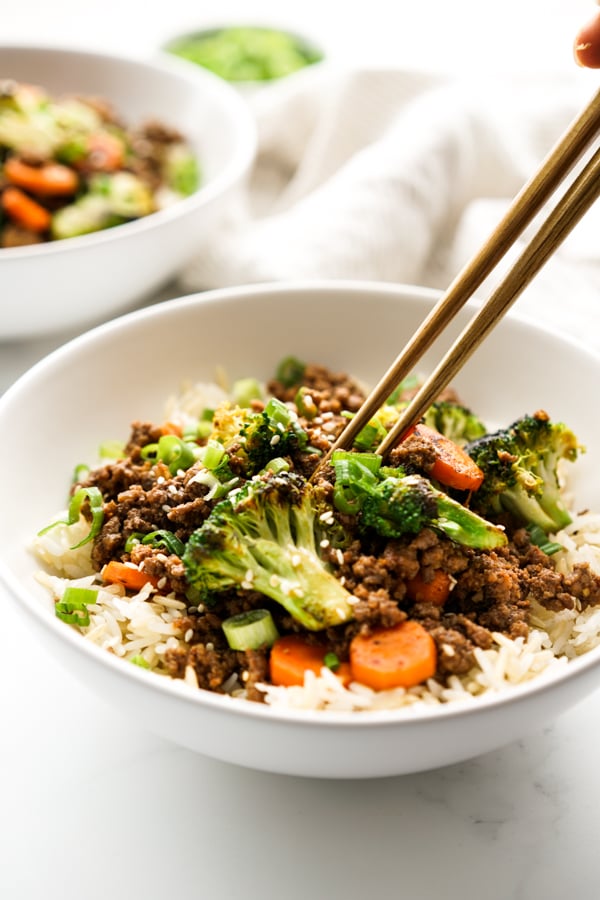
pixel 92 807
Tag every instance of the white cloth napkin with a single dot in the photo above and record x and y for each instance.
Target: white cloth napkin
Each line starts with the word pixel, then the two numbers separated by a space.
pixel 399 176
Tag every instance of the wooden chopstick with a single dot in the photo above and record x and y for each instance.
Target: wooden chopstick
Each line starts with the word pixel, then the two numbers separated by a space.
pixel 560 222
pixel 528 202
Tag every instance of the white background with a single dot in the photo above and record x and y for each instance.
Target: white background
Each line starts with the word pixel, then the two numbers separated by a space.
pixel 91 807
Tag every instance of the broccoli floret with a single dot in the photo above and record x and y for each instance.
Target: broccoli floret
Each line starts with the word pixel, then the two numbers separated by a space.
pixel 255 438
pixel 454 421
pixel 520 466
pixel 392 503
pixel 265 538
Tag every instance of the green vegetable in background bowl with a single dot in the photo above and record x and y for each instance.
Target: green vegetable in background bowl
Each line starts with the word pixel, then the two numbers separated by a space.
pixel 246 53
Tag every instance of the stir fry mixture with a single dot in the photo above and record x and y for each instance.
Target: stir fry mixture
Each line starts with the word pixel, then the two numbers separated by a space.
pixel 260 565
pixel 69 166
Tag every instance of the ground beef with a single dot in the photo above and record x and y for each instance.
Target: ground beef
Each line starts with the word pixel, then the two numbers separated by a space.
pixel 330 391
pixel 17 236
pixel 146 498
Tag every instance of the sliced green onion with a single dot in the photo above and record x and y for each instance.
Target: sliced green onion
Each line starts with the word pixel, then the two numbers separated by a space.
pixel 290 371
pixel 245 390
pixel 305 404
pixel 540 539
pixel 278 412
pixel 80 472
pixel 212 455
pixel 279 464
pixel 163 538
pixel 138 660
pixel 409 383
pixel 111 450
pixel 250 630
pixel 332 661
pixel 96 503
pixel 370 435
pixel 172 450
pixel 371 461
pixel 352 470
pixel 73 606
pixel 159 538
pixel 133 540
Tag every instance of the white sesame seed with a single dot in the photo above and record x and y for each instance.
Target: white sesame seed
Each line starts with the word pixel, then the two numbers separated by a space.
pixel 296 560
pixel 209 645
pixel 161 583
pixel 160 479
pixel 247 585
pixel 324 543
pixel 275 440
pixel 188 635
pixel 327 415
pixel 340 556
pixel 166 507
pixel 249 575
pixel 245 676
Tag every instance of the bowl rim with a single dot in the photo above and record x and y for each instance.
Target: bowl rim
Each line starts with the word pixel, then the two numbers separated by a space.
pixel 166 64
pixel 196 697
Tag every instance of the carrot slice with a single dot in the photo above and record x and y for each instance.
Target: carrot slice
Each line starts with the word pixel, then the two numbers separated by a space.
pixel 435 590
pixel 172 428
pixel 25 211
pixel 401 656
pixel 453 466
pixel 105 153
pixel 292 656
pixel 49 180
pixel 116 572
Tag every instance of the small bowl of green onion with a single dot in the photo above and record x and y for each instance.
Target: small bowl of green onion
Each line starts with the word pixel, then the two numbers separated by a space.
pixel 246 55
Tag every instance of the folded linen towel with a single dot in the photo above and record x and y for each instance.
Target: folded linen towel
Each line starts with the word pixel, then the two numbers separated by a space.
pixel 399 176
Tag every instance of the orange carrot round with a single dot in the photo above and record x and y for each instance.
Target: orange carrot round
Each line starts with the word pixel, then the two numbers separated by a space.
pixel 435 590
pixel 24 211
pixel 133 579
pixel 105 153
pixel 453 466
pixel 292 656
pixel 402 656
pixel 49 180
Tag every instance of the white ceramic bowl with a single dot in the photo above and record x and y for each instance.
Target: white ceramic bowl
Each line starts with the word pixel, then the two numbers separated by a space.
pixel 81 281
pixel 57 414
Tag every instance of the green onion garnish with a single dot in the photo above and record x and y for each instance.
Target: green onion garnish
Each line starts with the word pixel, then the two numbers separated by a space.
pixel 332 661
pixel 279 464
pixel 245 390
pixel 540 539
pixel 305 404
pixel 111 450
pixel 73 606
pixel 96 504
pixel 250 630
pixel 176 453
pixel 163 538
pixel 138 660
pixel 159 538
